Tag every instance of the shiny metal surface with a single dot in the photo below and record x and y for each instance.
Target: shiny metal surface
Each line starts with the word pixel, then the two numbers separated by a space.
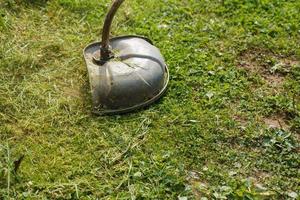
pixel 126 73
pixel 135 77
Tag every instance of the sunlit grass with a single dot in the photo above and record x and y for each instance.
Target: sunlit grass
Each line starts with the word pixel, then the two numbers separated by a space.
pixel 227 127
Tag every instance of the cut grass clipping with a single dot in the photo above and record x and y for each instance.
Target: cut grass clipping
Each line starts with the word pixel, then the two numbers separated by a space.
pixel 228 126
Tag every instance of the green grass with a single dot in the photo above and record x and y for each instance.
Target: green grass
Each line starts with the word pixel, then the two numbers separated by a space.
pixel 234 72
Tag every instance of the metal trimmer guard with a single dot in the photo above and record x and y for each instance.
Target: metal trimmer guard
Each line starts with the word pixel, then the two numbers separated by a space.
pixel 126 73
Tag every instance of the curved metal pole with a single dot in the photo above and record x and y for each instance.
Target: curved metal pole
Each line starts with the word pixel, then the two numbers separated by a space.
pixel 105 53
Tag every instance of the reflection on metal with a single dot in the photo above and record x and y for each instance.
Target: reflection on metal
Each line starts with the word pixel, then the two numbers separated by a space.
pixel 126 73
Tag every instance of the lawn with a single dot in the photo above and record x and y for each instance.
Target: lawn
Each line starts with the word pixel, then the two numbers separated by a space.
pixel 228 126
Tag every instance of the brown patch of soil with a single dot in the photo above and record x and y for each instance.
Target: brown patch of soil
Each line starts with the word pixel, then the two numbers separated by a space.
pixel 260 176
pixel 272 67
pixel 276 121
pixel 197 185
pixel 290 62
pixel 274 79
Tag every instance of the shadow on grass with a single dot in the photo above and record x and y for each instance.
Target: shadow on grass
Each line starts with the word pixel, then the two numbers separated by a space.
pixel 35 2
pixel 16 5
pixel 86 97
